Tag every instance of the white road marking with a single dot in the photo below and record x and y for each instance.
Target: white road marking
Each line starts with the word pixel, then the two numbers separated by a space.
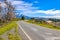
pixel 25 32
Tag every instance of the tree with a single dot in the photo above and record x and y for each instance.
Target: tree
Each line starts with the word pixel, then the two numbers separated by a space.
pixel 10 15
pixel 32 18
pixel 22 17
pixel 0 13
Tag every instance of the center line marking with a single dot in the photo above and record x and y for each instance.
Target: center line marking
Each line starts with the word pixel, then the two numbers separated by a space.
pixel 25 32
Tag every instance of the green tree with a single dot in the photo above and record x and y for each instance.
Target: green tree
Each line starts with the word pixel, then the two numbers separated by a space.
pixel 0 14
pixel 22 17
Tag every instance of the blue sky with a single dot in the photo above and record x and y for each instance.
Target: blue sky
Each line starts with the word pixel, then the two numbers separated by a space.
pixel 37 8
pixel 45 4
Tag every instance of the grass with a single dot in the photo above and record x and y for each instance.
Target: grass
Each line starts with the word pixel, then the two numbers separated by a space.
pixel 16 19
pixel 49 26
pixel 14 37
pixel 10 36
pixel 17 36
pixel 7 27
pixel 45 25
pixel 1 38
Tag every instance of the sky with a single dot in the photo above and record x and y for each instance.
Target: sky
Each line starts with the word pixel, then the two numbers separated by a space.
pixel 37 8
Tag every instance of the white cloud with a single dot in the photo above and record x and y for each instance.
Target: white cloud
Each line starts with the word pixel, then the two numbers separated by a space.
pixel 17 2
pixel 27 8
pixel 52 11
pixel 3 4
pixel 10 0
pixel 58 17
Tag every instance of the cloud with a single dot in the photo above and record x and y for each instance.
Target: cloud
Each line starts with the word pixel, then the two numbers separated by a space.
pixel 28 9
pixel 58 17
pixel 24 7
pixel 52 11
pixel 10 0
pixel 17 2
pixel 3 4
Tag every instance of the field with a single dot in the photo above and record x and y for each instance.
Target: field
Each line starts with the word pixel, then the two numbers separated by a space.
pixel 45 25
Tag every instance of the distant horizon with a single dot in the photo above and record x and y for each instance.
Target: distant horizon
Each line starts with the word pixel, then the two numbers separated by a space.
pixel 38 17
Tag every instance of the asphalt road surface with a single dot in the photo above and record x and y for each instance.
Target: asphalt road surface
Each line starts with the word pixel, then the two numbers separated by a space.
pixel 30 31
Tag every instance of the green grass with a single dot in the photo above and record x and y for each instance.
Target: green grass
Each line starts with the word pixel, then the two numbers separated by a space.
pixel 10 36
pixel 49 26
pixel 45 25
pixel 7 27
pixel 17 36
pixel 1 38
pixel 16 19
pixel 14 37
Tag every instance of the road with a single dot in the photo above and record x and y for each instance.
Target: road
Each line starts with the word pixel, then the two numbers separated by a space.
pixel 34 32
